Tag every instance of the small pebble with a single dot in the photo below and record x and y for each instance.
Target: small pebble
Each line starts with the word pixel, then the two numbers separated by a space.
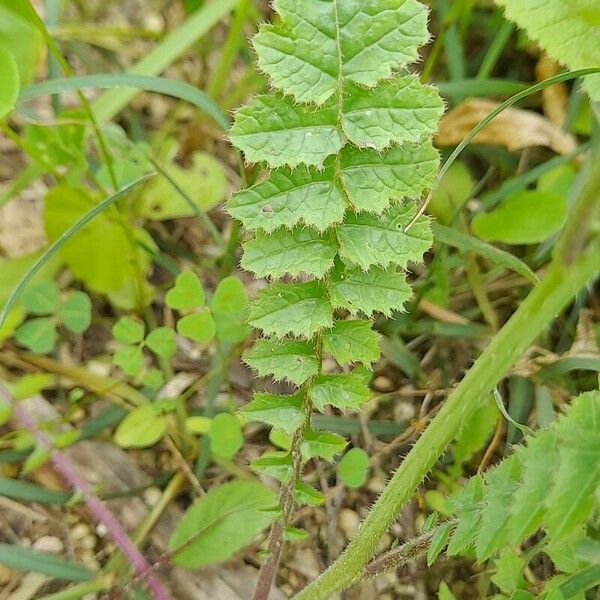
pixel 5 575
pixel 381 383
pixel 376 484
pixel 80 531
pixel 152 496
pixel 349 522
pixel 89 542
pixel 404 411
pixel 48 543
pixel 101 530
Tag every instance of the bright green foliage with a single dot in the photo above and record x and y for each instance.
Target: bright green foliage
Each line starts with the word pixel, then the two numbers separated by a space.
pixel 225 435
pixel 281 412
pixel 306 494
pixel 353 467
pixel 346 137
pixel 217 525
pixel 352 341
pixel 142 427
pixel 131 334
pixel 199 327
pixel 187 292
pixel 551 483
pixel 283 359
pixel 229 307
pixel 9 73
pixel 567 30
pixel 527 217
pixel 74 311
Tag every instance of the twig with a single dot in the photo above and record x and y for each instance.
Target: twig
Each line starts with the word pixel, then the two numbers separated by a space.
pixel 63 465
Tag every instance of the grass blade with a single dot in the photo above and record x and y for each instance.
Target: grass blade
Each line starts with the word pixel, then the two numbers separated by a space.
pixel 161 85
pixel 60 242
pixel 171 48
pixel 459 240
pixel 29 492
pixel 25 559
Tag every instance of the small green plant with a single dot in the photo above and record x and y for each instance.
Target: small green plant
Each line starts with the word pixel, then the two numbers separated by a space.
pixel 73 311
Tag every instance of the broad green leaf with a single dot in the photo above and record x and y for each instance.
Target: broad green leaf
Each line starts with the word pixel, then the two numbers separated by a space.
pixel 141 428
pixel 567 30
pixel 299 308
pixel 538 464
pixel 368 240
pixel 400 111
pixel 225 435
pixel 230 310
pixel 222 522
pixel 30 385
pixel 275 130
pixel 294 534
pixel 283 359
pixel 6 411
pixel 526 218
pixel 501 482
pixel 317 46
pixel 341 391
pixel 375 290
pixel 154 379
pixel 38 457
pixel 27 560
pixel 451 193
pixel 9 74
pixel 321 444
pixel 41 298
pixel 274 464
pixel 289 197
pixel 372 179
pixel 289 252
pixel 306 494
pixel 465 503
pixel 353 467
pixel 438 542
pixel 199 327
pixel 578 476
pixel 128 331
pixel 39 335
pixel 281 412
pixel 204 183
pixel 130 359
pixel 102 254
pixel 187 293
pixel 20 35
pixel 76 312
pixel 352 341
pixel 162 341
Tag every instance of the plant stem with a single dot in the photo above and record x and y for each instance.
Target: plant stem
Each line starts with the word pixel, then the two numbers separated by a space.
pixel 566 275
pixel 268 570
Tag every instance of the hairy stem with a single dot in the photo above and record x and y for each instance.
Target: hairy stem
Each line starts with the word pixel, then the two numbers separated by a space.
pixel 268 570
pixel 566 275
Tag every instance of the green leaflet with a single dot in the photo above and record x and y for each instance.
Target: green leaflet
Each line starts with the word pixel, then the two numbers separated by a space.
pixel 466 505
pixel 368 291
pixel 289 252
pixel 300 55
pixel 341 391
pixel 276 130
pixel 283 359
pixel 538 467
pixel 368 240
pixel 281 412
pixel 298 308
pixel 554 24
pixel 500 484
pixel 289 197
pixel 321 444
pixel 578 475
pixel 352 341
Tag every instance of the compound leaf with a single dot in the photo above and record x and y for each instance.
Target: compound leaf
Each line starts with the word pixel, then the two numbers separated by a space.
pixel 187 293
pixel 76 312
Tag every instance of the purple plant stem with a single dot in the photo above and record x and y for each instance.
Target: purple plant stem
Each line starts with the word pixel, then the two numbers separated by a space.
pixel 64 466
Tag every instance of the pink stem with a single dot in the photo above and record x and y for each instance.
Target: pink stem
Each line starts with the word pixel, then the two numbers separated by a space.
pixel 63 465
